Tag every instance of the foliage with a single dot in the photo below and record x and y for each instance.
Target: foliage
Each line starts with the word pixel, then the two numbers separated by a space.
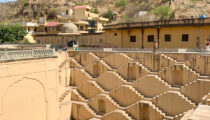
pixel 11 33
pixel 121 3
pixel 194 1
pixel 109 14
pixel 26 42
pixel 99 2
pixel 82 4
pixel 52 13
pixel 163 12
pixel 126 19
pixel 24 2
pixel 96 11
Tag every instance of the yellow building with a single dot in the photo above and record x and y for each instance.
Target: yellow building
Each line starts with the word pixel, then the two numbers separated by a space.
pixel 85 20
pixel 186 33
pixel 89 26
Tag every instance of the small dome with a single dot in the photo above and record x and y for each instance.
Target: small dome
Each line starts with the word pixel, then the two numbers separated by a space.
pixel 69 28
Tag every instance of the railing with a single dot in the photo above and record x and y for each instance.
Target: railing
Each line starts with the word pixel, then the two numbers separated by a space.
pixel 26 54
pixel 178 50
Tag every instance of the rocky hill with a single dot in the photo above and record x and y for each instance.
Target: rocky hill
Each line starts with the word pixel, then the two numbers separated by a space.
pixel 126 10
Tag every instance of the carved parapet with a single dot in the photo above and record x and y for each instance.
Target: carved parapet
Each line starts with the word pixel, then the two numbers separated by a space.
pixel 26 54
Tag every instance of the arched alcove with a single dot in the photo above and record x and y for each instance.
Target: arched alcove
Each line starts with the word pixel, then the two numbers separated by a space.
pixel 143 112
pixel 177 77
pixel 24 100
pixel 102 106
pixel 131 72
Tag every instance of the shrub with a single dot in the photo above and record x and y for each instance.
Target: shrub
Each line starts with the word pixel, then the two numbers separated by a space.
pixel 109 14
pixel 126 19
pixel 163 12
pixel 121 3
pixel 26 3
pixel 52 13
pixel 96 11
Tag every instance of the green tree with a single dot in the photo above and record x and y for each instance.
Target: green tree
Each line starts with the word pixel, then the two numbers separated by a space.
pixel 11 33
pixel 109 14
pixel 163 12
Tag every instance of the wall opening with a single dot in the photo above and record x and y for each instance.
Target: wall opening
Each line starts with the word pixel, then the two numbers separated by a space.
pixel 96 70
pixel 102 106
pixel 131 71
pixel 177 77
pixel 143 112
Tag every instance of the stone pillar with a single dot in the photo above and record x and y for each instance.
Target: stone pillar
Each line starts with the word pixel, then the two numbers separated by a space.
pixel 142 38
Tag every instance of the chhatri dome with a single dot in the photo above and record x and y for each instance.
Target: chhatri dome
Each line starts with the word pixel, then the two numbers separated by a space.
pixel 69 28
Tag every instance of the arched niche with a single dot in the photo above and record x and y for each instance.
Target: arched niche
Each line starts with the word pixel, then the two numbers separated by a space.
pixel 131 71
pixel 96 70
pixel 143 111
pixel 102 106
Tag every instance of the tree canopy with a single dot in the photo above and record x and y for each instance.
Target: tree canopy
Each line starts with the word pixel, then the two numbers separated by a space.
pixel 11 33
pixel 163 12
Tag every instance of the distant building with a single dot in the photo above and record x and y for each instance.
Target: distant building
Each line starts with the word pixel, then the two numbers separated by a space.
pixel 89 26
pixel 185 33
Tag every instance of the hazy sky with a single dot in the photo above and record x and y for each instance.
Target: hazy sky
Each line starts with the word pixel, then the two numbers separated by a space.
pixel 6 0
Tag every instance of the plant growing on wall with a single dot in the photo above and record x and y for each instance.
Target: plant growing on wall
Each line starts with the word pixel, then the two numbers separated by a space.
pixel 11 33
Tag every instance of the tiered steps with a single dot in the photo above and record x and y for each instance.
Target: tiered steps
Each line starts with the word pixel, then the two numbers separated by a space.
pixel 185 99
pixel 87 108
pixel 74 63
pixel 64 95
pixel 169 58
pixel 128 117
pixel 161 80
pixel 121 109
pixel 154 107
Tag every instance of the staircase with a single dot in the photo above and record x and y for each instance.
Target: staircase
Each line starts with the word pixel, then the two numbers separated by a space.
pixel 128 117
pixel 88 108
pixel 106 94
pixel 74 63
pixel 160 80
pixel 190 103
pixel 64 95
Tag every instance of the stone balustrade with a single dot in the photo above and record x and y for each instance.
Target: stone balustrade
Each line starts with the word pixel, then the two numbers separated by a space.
pixel 26 54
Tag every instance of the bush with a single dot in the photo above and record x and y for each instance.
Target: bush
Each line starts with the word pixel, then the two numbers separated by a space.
pixel 96 11
pixel 121 3
pixel 52 13
pixel 23 2
pixel 11 33
pixel 163 12
pixel 26 3
pixel 109 14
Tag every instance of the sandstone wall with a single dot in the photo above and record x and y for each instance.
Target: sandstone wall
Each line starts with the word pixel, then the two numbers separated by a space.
pixel 29 90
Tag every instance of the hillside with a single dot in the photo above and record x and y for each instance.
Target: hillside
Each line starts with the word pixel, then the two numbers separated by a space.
pixel 126 10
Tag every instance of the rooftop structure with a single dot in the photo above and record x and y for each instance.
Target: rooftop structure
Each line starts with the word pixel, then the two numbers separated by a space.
pixel 159 24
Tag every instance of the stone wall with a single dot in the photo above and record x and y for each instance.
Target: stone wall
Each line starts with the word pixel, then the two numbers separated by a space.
pixel 29 90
